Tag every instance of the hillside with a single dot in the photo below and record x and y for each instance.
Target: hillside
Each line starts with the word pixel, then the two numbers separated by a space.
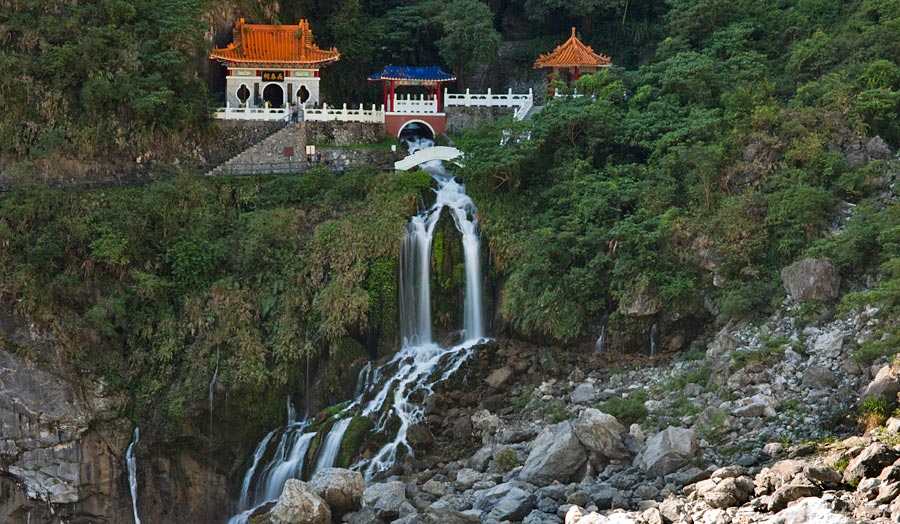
pixel 645 219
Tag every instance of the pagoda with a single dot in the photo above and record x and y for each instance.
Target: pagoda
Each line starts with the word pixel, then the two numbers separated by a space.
pixel 273 65
pixel 570 59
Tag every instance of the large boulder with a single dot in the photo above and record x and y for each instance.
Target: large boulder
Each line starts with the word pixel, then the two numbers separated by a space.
pixel 386 499
pixel 811 279
pixel 601 433
pixel 505 502
pixel 886 384
pixel 341 488
pixel 667 451
pixel 298 504
pixel 557 455
pixel 869 463
pixel 726 487
pixel 807 511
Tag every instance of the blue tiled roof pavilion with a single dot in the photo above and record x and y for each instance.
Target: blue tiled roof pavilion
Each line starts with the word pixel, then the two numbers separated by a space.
pixel 403 74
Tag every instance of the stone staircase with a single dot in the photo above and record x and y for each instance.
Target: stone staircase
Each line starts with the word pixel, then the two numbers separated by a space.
pixel 532 111
pixel 268 156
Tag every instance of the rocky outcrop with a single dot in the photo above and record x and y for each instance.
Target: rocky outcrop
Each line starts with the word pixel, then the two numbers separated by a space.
pixel 62 446
pixel 811 279
pixel 667 451
pixel 387 500
pixel 298 504
pixel 342 489
pixel 601 434
pixel 557 455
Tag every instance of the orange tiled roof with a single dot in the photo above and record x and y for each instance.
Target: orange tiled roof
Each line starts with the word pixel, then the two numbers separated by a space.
pixel 572 54
pixel 274 44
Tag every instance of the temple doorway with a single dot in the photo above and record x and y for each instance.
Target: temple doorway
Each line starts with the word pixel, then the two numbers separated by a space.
pixel 274 95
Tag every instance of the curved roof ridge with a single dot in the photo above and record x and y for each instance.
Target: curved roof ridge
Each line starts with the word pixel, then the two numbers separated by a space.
pixel 572 53
pixel 274 44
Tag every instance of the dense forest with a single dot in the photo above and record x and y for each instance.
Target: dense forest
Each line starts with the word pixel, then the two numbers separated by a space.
pixel 722 146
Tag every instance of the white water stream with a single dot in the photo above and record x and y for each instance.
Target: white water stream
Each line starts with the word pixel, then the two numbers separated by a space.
pixel 412 372
pixel 132 473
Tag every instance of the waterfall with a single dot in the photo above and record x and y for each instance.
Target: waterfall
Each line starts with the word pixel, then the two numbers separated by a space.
pixel 132 473
pixel 653 333
pixel 598 345
pixel 257 455
pixel 383 393
pixel 212 390
pixel 332 444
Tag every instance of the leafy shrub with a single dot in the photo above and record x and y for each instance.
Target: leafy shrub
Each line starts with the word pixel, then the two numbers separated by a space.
pixel 629 410
pixel 872 412
pixel 507 459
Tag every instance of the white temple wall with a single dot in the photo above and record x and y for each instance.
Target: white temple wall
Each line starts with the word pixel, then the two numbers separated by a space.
pixel 256 85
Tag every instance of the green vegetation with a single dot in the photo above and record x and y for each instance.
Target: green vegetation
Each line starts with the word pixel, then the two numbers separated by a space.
pixel 772 351
pixel 629 410
pixel 507 459
pixel 354 437
pixel 714 426
pixel 872 412
pixel 147 284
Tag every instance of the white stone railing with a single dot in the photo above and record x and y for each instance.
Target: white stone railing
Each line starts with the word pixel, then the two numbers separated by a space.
pixel 252 113
pixel 332 114
pixel 557 94
pixel 489 99
pixel 521 102
pixel 414 104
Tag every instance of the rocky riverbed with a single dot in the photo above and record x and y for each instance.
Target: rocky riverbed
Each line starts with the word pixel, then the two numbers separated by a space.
pixel 756 424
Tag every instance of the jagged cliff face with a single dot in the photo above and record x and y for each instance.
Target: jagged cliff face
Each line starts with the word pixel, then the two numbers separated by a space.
pixel 50 456
pixel 62 447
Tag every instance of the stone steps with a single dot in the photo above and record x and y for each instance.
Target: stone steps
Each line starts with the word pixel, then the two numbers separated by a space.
pixel 267 156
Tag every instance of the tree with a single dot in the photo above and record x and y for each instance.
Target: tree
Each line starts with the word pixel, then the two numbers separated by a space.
pixel 468 33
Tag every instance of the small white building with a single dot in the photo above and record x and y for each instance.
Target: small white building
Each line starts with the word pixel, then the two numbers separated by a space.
pixel 273 66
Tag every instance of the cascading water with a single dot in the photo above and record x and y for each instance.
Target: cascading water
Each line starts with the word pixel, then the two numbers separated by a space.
pixel 212 391
pixel 414 370
pixel 332 444
pixel 598 345
pixel 653 333
pixel 132 473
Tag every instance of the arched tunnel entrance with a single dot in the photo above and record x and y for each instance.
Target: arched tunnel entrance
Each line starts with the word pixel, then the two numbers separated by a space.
pixel 416 133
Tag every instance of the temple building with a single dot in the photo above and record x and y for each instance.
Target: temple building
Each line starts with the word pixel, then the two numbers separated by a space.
pixel 570 60
pixel 273 65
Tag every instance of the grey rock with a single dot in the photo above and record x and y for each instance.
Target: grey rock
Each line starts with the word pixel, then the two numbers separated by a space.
pixel 807 511
pixel 447 516
pixel 789 493
pixel 671 509
pixel 601 433
pixel 452 502
pixel 539 517
pixel 583 394
pixel 481 458
pixel 556 455
pixel 386 499
pixel 515 505
pixel 870 462
pixel 687 476
pixel 829 344
pixel 819 377
pixel 878 149
pixel 466 477
pixel 365 515
pixel 499 378
pixel 298 504
pixel 667 451
pixel 886 384
pixel 811 279
pixel 342 489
